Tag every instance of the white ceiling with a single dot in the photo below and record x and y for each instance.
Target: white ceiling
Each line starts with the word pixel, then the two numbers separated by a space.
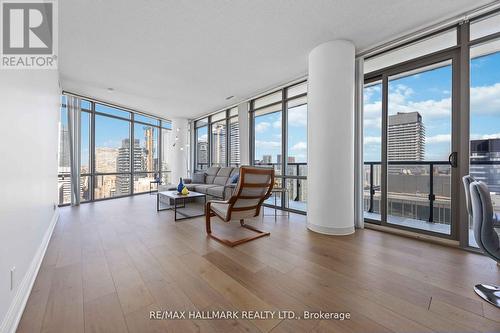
pixel 181 58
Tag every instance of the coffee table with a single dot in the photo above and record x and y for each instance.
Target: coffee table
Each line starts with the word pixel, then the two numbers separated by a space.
pixel 179 198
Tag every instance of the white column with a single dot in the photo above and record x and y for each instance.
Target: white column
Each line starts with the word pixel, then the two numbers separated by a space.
pixel 178 150
pixel 331 138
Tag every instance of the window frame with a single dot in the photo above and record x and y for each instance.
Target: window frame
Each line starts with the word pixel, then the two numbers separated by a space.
pixel 283 104
pixel 162 124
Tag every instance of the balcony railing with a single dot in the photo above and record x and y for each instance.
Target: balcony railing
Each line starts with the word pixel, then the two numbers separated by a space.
pixel 399 173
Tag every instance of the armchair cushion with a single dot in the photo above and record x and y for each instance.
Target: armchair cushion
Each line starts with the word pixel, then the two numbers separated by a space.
pixel 221 208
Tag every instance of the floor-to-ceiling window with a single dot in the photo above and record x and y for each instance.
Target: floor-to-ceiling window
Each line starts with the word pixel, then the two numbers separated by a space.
pixel 484 128
pixel 63 168
pixel 422 134
pixel 408 143
pixel 418 147
pixel 234 138
pixel 112 154
pixel 279 140
pixel 296 138
pixel 201 145
pixel 120 152
pixel 217 139
pixel 372 152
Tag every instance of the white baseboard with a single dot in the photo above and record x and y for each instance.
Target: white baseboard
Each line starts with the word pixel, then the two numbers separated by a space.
pixel 16 309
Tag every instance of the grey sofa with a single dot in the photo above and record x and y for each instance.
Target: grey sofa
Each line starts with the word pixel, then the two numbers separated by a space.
pixel 215 182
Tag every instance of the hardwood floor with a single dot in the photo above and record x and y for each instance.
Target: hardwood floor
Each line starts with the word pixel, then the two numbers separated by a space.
pixel 110 263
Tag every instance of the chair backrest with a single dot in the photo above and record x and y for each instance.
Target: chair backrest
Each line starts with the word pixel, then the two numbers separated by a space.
pixel 482 215
pixel 254 186
pixel 467 180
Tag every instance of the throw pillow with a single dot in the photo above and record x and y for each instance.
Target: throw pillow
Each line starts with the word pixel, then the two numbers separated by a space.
pixel 235 179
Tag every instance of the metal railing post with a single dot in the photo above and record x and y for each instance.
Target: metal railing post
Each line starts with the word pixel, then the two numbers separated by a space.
pixel 432 197
pixel 372 190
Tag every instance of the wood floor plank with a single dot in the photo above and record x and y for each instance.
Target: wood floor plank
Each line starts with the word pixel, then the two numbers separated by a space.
pixel 104 314
pixel 110 263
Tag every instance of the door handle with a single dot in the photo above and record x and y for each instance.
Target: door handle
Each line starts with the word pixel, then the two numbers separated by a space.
pixel 453 159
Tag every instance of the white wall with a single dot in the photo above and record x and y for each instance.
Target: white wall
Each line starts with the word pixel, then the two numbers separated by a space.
pixel 29 115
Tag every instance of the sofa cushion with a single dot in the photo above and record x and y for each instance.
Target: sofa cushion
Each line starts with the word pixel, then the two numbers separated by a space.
pixel 203 188
pixel 210 174
pixel 222 176
pixel 216 191
pixel 198 178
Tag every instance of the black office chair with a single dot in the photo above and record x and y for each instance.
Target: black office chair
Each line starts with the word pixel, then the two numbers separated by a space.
pixel 486 237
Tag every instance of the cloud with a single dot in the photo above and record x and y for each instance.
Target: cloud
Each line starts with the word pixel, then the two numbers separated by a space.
pixel 262 127
pixel 485 136
pixel 299 146
pixel 267 144
pixel 297 117
pixel 203 138
pixel 371 140
pixel 439 138
pixel 485 100
pixel 277 123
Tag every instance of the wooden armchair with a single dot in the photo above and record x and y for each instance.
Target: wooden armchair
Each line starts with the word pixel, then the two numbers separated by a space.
pixel 254 186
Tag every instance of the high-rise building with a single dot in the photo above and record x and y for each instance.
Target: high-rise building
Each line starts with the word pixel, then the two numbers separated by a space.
pixel 123 165
pixel 202 158
pixel 234 144
pixel 486 151
pixel 218 143
pixel 64 183
pixel 149 148
pixel 64 149
pixel 406 137
pixel 266 159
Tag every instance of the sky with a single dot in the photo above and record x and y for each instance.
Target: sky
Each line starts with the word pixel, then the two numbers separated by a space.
pixel 268 134
pixel 429 93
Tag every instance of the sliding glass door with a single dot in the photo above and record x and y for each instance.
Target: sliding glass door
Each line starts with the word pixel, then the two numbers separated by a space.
pixel 409 116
